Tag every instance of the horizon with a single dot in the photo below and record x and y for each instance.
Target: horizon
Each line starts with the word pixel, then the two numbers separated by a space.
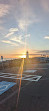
pixel 23 55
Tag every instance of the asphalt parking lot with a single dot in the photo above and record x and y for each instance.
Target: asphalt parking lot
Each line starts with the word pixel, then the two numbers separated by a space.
pixel 26 92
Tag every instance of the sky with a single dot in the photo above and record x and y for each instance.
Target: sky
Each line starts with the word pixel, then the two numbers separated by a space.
pixel 24 25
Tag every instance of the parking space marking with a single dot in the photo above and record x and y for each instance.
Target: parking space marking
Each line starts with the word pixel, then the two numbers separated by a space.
pixel 35 78
pixel 30 71
pixel 10 74
pixel 4 86
pixel 24 77
pixel 15 92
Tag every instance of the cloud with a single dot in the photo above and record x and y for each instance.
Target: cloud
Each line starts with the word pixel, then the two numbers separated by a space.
pixel 9 34
pixel 45 5
pixel 6 41
pixel 43 51
pixel 4 9
pixel 1 22
pixel 21 10
pixel 9 42
pixel 1 28
pixel 25 13
pixel 24 23
pixel 28 35
pixel 17 39
pixel 11 31
pixel 46 37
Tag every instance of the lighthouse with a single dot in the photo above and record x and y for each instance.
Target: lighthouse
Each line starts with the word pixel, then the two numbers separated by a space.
pixel 27 54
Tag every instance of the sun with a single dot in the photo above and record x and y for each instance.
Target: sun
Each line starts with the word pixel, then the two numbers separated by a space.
pixel 23 56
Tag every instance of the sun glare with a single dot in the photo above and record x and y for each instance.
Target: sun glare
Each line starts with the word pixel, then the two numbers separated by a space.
pixel 23 56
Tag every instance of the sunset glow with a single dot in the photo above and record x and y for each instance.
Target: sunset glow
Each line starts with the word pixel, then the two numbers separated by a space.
pixel 23 56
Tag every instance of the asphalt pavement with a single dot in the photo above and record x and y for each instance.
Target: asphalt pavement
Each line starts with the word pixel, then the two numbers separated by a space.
pixel 29 92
